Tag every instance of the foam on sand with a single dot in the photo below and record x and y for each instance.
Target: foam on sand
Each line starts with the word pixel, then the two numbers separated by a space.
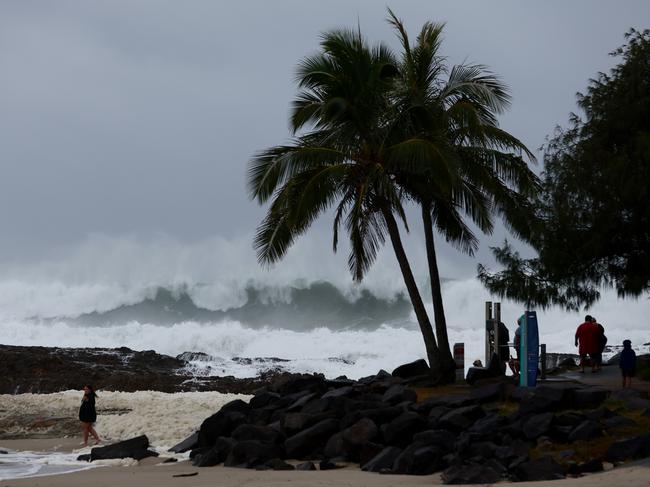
pixel 165 418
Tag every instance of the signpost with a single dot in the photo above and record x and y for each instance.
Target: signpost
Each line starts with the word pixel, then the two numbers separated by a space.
pixel 459 357
pixel 529 349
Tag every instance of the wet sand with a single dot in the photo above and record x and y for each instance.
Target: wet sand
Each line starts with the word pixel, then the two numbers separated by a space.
pixel 151 472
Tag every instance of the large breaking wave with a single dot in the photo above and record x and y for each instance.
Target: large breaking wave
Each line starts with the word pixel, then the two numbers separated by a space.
pixel 213 298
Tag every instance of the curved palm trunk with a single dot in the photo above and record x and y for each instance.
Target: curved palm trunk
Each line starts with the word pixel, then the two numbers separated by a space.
pixel 433 353
pixel 448 365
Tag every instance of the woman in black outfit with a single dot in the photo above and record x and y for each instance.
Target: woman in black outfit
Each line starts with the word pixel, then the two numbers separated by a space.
pixel 88 414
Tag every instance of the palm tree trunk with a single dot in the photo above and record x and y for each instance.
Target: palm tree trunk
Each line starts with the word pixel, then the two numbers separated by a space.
pixel 448 365
pixel 433 353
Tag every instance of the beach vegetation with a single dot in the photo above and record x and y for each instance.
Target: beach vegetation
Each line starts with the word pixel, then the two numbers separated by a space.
pixel 592 216
pixel 374 132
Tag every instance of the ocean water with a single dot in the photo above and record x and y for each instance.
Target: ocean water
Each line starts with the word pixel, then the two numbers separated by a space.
pixel 213 297
pixel 21 464
pixel 313 328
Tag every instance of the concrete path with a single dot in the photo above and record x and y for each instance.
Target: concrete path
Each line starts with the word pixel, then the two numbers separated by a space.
pixel 609 377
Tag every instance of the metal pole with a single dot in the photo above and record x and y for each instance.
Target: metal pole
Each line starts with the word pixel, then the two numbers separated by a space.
pixel 542 356
pixel 488 318
pixel 495 323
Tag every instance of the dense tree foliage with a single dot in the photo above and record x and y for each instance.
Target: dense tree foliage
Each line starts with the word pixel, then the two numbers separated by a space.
pixel 592 227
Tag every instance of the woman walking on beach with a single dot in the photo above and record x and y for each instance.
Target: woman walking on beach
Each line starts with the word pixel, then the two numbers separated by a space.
pixel 88 414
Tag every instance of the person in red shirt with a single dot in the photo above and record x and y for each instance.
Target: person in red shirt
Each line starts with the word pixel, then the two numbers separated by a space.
pixel 587 338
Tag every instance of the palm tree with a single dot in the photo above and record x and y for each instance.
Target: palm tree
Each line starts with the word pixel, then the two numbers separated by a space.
pixel 452 124
pixel 345 109
pixel 377 132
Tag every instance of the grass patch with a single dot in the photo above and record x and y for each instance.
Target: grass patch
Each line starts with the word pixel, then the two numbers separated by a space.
pixel 584 450
pixel 446 390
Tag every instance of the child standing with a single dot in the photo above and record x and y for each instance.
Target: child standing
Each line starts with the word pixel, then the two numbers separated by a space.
pixel 627 363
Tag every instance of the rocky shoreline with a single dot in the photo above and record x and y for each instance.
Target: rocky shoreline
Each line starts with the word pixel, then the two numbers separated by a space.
pixel 42 370
pixel 481 434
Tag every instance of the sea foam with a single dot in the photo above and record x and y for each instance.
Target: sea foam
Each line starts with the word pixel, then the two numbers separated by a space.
pixel 165 418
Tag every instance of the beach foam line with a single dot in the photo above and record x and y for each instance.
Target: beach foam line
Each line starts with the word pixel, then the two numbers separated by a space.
pixel 166 418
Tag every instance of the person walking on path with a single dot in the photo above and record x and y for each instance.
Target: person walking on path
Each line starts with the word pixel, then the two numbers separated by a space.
pixel 88 414
pixel 586 340
pixel 601 343
pixel 627 363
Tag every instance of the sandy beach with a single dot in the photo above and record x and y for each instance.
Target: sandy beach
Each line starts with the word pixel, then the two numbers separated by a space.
pixel 152 472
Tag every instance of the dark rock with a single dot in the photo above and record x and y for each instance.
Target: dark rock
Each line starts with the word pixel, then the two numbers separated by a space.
pixel 53 369
pixel 251 453
pixel 418 459
pixel 335 446
pixel 136 448
pixel 477 374
pixel 489 392
pixel 170 460
pixel 449 401
pixel 328 465
pixel 326 405
pixel 357 435
pixel 383 461
pixel 617 422
pixel 347 391
pixel 369 451
pixel 294 423
pixel 586 430
pixel 543 469
pixel 513 453
pixel 438 412
pixel 278 464
pixel 237 405
pixel 487 425
pixel 215 455
pixel 443 439
pixel 400 431
pixel 307 441
pixel 379 415
pixel 292 383
pixel 301 401
pixel 588 397
pixel 187 444
pixel 306 466
pixel 470 474
pixel 222 423
pixel 199 451
pixel 263 434
pixel 381 377
pixel 564 423
pixel 398 393
pixel 264 399
pixel 81 458
pixel 545 399
pixel 412 369
pixel 537 425
pixel 483 449
pixel 461 418
pixel 629 448
pixel 591 466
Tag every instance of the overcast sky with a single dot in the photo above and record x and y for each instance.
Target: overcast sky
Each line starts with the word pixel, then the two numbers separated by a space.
pixel 138 118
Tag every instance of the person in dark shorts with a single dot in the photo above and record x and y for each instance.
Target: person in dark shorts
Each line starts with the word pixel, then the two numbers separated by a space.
pixel 627 363
pixel 601 339
pixel 88 414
